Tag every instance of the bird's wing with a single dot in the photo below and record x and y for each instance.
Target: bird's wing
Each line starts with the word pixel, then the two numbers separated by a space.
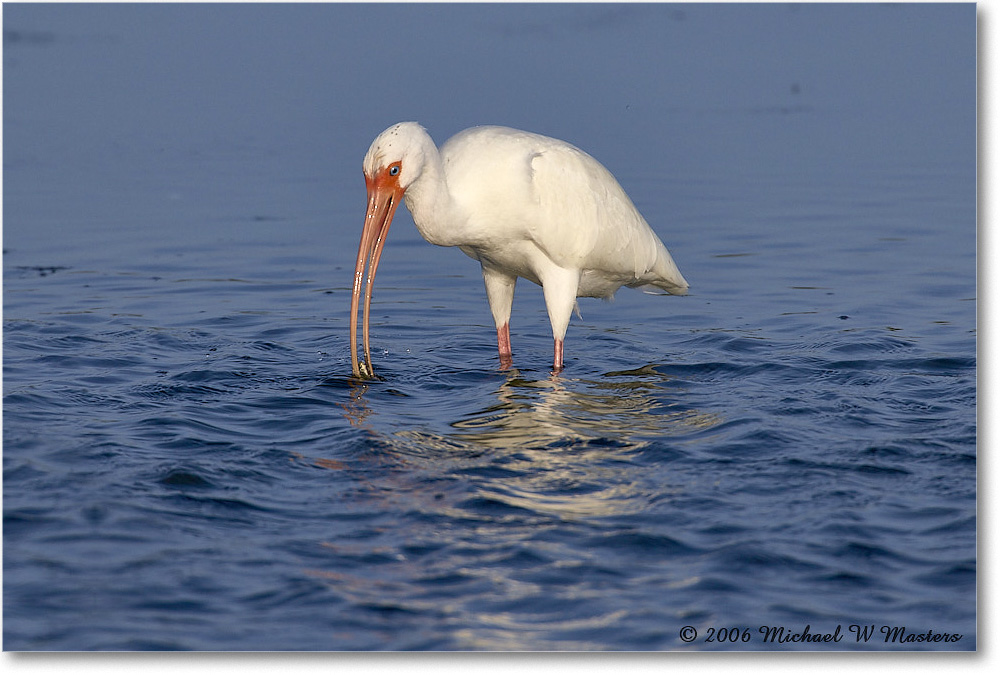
pixel 585 219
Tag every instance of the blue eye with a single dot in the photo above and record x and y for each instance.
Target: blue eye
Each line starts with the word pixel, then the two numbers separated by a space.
pixel 394 170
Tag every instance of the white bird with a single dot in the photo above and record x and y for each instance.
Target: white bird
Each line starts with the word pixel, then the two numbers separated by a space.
pixel 523 205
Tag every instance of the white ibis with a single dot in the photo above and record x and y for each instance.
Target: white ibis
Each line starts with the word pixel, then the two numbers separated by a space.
pixel 523 205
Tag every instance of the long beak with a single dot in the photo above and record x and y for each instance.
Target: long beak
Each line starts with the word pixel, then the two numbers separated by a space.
pixel 384 195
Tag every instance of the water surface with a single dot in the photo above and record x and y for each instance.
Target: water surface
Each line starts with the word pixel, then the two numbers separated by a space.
pixel 792 444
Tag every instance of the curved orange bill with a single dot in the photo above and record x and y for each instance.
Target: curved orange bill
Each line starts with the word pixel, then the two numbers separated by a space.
pixel 384 195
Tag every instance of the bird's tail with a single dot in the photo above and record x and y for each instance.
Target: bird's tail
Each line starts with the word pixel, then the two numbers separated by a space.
pixel 659 289
pixel 664 278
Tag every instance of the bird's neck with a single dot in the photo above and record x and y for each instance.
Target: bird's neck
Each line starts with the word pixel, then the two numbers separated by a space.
pixel 434 210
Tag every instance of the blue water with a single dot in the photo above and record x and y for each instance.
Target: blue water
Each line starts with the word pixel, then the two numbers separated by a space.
pixel 188 465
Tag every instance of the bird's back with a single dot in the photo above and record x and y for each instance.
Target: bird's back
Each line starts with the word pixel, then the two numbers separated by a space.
pixel 562 199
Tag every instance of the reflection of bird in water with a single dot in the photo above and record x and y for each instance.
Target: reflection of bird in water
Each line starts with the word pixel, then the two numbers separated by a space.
pixel 621 410
pixel 569 446
pixel 355 410
pixel 521 204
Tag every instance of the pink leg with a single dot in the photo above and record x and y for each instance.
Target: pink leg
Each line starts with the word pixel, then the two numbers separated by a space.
pixel 557 360
pixel 503 346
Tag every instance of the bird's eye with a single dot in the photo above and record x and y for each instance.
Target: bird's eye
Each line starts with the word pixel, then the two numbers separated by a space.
pixel 394 170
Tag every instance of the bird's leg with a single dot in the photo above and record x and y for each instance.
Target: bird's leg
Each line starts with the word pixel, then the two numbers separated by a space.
pixel 557 359
pixel 500 293
pixel 559 285
pixel 503 346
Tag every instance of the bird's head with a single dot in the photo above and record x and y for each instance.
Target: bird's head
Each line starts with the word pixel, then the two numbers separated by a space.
pixel 395 159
